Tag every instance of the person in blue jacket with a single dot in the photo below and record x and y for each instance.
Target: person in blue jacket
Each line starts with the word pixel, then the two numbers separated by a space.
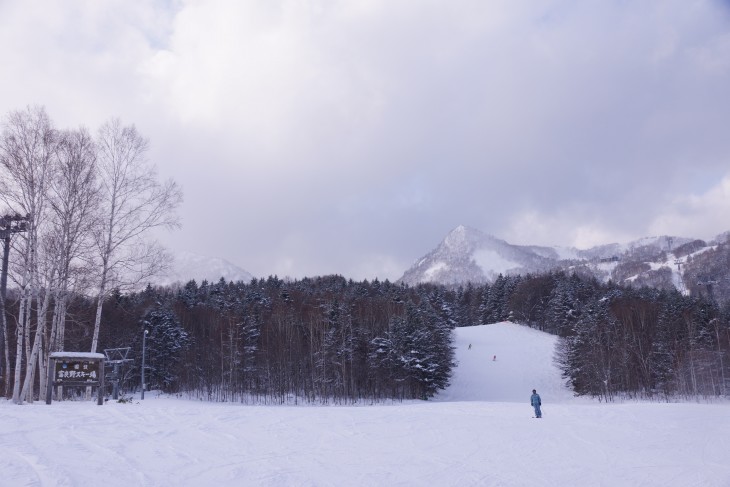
pixel 536 403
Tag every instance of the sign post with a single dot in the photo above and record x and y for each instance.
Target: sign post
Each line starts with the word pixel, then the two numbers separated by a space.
pixel 144 343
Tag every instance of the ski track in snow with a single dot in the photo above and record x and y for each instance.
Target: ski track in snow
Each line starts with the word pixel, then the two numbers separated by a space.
pixel 478 432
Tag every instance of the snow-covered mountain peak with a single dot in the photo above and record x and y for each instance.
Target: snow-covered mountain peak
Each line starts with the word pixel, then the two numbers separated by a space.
pixel 462 239
pixel 188 265
pixel 467 254
pixel 457 237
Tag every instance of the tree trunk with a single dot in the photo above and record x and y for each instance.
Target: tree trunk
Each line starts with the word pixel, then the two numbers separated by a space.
pixel 20 339
pixel 27 391
pixel 6 351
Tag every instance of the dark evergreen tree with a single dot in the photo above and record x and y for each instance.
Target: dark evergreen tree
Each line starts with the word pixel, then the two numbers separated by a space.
pixel 166 342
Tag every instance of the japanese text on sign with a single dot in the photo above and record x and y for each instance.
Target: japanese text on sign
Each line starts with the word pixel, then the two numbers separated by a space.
pixel 76 371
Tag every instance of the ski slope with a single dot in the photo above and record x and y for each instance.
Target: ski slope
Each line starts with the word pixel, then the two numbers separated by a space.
pixel 524 361
pixel 479 432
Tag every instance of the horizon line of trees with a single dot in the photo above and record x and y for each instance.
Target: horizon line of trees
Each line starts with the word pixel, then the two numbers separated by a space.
pixel 328 339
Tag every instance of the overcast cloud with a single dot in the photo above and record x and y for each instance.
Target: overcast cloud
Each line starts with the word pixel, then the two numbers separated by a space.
pixel 326 136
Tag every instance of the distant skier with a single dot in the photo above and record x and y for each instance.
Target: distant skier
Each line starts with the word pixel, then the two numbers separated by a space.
pixel 536 403
pixel 494 359
pixel 470 346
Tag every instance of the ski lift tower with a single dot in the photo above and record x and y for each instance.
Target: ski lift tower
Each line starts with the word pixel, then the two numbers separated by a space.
pixel 680 280
pixel 116 357
pixel 9 224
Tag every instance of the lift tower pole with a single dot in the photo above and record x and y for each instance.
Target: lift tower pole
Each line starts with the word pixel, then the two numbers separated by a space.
pixel 9 224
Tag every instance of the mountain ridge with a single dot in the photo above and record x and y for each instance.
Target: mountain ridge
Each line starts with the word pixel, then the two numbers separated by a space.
pixel 187 266
pixel 467 255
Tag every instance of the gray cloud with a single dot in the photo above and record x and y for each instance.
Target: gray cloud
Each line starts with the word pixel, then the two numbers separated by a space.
pixel 349 137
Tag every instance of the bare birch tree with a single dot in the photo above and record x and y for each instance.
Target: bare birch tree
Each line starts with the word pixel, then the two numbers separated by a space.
pixel 27 147
pixel 133 202
pixel 74 201
pixel 73 194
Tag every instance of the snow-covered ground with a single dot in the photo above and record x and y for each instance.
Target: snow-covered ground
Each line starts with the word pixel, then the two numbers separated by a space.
pixel 479 432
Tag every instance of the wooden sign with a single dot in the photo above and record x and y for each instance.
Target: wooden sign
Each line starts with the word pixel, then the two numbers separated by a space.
pixel 79 369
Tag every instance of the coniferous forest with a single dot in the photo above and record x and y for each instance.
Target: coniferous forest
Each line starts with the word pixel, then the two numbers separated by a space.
pixel 330 340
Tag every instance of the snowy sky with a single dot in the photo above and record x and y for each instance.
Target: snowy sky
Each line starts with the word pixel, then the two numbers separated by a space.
pixel 327 136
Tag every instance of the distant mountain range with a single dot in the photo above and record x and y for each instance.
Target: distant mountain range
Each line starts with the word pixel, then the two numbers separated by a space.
pixel 691 266
pixel 187 266
pixel 469 255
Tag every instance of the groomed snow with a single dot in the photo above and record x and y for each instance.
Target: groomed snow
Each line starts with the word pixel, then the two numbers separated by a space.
pixel 506 361
pixel 479 432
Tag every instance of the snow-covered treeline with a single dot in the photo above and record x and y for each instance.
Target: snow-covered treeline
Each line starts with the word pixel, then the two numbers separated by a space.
pixel 328 339
pixel 315 340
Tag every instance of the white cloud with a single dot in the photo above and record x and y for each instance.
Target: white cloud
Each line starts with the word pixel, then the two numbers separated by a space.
pixel 697 215
pixel 393 122
pixel 566 229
